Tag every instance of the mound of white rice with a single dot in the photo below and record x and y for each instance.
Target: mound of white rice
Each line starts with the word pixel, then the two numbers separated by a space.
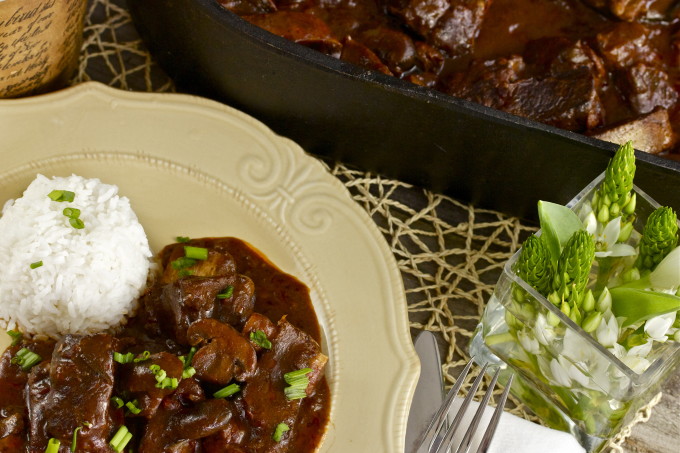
pixel 90 278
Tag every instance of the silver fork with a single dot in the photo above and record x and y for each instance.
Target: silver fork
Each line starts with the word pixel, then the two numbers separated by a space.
pixel 439 439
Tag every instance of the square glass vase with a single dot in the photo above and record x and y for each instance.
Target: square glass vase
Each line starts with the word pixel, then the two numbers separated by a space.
pixel 563 374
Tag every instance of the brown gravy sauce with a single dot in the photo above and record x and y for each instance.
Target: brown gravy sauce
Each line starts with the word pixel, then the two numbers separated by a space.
pixel 277 295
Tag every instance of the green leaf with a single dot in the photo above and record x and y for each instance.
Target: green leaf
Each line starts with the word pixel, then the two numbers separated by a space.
pixel 558 224
pixel 640 305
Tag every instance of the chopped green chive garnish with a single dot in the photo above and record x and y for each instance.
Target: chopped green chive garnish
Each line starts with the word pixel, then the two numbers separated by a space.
pixel 36 265
pixel 162 379
pixel 123 358
pixel 297 384
pixel 227 391
pixel 120 439
pixel 227 293
pixel 260 338
pixel 278 432
pixel 26 359
pixel 71 213
pixel 76 223
pixel 55 195
pixel 16 336
pixel 292 377
pixel 74 442
pixel 182 239
pixel 143 356
pixel 167 383
pixel 61 195
pixel 181 265
pixel 53 445
pixel 196 253
pixel 186 360
pixel 132 407
pixel 294 393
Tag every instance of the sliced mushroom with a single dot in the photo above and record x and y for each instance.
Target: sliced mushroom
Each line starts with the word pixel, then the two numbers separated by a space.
pixel 226 354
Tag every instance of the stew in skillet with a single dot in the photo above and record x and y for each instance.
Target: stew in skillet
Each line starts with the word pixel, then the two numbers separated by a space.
pixel 608 68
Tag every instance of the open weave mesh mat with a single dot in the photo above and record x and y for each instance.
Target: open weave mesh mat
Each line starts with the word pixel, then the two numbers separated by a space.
pixel 450 254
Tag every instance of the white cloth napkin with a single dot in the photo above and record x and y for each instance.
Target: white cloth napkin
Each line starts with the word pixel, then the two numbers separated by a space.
pixel 514 434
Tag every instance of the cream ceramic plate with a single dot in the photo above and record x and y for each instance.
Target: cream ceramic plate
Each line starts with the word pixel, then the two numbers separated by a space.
pixel 194 167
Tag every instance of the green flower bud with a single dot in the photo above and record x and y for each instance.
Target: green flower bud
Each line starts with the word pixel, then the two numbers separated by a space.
pixel 629 208
pixel 590 423
pixel 659 237
pixel 626 230
pixel 518 293
pixel 553 319
pixel 565 308
pixel 603 215
pixel 554 298
pixel 617 184
pixel 575 315
pixel 630 275
pixel 528 310
pixel 574 266
pixel 534 265
pixel 604 302
pixel 614 211
pixel 588 301
pixel 634 339
pixel 592 321
pixel 676 336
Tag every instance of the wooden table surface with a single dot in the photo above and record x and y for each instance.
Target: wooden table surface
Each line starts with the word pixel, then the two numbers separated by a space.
pixel 661 434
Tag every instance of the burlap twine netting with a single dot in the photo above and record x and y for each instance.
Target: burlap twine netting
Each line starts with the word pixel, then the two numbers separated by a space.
pixel 450 254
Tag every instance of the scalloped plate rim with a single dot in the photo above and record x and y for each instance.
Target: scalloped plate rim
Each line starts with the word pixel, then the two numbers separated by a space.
pixel 391 434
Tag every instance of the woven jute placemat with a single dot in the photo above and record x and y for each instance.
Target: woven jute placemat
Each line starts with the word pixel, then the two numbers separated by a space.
pixel 450 254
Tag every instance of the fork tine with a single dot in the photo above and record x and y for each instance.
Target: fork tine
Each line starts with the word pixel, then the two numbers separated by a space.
pixel 440 416
pixel 446 443
pixel 493 424
pixel 467 439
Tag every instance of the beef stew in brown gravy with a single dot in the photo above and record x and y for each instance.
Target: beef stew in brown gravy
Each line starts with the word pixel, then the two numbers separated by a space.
pixel 222 356
pixel 606 68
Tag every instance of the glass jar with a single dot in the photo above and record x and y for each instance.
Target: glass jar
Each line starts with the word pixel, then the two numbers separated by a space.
pixel 562 373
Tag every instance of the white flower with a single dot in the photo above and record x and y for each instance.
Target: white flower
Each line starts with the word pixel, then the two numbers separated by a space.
pixel 634 358
pixel 584 356
pixel 559 373
pixel 574 372
pixel 667 272
pixel 635 363
pixel 605 240
pixel 642 350
pixel 657 328
pixel 528 342
pixel 577 348
pixel 608 331
pixel 543 331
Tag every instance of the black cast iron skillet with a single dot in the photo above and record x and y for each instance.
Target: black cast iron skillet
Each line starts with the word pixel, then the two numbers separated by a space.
pixel 376 122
